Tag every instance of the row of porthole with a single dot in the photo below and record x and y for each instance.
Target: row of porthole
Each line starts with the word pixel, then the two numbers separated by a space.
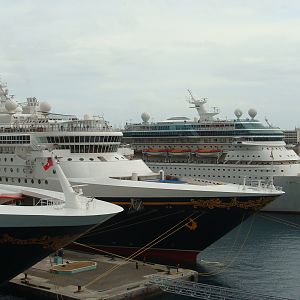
pixel 26 180
pixel 5 159
pixel 81 159
pixel 219 176
pixel 233 170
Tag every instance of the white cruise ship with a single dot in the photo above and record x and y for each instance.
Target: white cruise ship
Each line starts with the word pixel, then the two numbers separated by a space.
pixel 153 205
pixel 222 150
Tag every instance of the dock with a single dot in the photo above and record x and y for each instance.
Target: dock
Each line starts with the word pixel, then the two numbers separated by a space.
pixel 111 278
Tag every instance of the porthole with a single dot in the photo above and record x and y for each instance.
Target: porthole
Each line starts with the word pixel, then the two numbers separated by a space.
pixel 11 170
pixel 32 181
pixel 81 159
pixel 19 180
pixel 39 181
pixel 69 159
pixel 11 159
pixel 6 179
pixel 46 181
pixel 91 159
pixel 54 171
pixel 5 159
pixel 25 180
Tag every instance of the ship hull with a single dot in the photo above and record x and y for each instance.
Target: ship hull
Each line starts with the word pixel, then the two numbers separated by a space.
pixel 287 203
pixel 22 247
pixel 170 234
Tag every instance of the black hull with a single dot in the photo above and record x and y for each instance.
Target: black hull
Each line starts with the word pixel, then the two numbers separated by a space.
pixel 23 247
pixel 171 234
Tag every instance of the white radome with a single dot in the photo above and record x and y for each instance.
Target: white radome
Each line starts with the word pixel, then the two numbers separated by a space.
pixel 11 105
pixel 238 113
pixel 145 117
pixel 45 107
pixel 252 113
pixel 87 117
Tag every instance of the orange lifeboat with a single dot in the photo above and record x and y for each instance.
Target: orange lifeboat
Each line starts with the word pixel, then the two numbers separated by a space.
pixel 155 152
pixel 208 152
pixel 178 152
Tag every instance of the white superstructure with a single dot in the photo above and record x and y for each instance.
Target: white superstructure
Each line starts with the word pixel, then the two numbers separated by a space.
pixel 88 153
pixel 222 150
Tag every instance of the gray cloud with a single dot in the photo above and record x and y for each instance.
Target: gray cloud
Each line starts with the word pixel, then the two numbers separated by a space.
pixel 120 58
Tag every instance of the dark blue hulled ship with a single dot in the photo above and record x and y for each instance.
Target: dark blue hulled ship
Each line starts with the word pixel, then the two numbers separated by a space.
pixel 35 223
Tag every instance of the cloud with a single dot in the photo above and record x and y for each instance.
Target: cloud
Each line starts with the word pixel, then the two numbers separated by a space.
pixel 124 57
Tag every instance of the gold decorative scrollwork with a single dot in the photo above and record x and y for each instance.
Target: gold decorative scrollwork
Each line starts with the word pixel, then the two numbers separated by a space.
pixel 233 202
pixel 45 241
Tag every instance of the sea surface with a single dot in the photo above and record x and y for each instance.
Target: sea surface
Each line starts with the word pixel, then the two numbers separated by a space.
pixel 262 255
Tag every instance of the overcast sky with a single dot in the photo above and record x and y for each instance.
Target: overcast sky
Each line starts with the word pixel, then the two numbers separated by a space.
pixel 119 58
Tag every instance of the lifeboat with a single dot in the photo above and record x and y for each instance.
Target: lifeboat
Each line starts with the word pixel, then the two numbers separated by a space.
pixel 208 152
pixel 155 152
pixel 179 152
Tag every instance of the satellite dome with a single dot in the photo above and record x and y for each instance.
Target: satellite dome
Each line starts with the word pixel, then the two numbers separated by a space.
pixel 10 106
pixel 45 107
pixel 238 113
pixel 87 117
pixel 252 113
pixel 19 110
pixel 145 117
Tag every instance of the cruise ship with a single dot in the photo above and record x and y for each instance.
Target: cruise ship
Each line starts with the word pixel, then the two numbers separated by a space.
pixel 221 150
pixel 164 219
pixel 36 222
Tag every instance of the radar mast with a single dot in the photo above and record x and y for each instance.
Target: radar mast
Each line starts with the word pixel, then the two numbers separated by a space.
pixel 198 104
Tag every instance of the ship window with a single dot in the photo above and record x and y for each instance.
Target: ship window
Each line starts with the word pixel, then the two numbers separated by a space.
pixel 81 159
pixel 6 179
pixel 19 180
pixel 69 159
pixel 39 181
pixel 11 159
pixel 54 171
pixel 46 181
pixel 32 181
pixel 5 159
pixel 91 159
pixel 11 170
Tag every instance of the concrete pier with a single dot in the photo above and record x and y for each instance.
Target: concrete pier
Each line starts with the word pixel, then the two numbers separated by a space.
pixel 112 279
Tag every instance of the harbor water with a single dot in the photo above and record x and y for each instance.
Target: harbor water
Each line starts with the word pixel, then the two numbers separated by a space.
pixel 262 255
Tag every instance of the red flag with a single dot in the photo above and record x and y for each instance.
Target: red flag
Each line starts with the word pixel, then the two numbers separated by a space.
pixel 48 165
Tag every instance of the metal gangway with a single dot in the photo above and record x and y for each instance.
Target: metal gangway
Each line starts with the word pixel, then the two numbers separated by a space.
pixel 206 291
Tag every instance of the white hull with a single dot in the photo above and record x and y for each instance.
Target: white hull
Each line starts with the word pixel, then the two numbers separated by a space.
pixel 288 203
